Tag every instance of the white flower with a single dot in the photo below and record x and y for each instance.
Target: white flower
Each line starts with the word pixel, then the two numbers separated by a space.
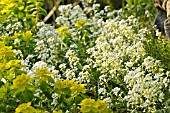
pixel 116 90
pixel 17 41
pixel 129 64
pixel 62 66
pixel 86 67
pixel 51 39
pixel 101 90
pixel 3 80
pixel 161 96
pixel 70 74
pixel 108 100
pixel 39 65
pixel 69 53
pixel 158 34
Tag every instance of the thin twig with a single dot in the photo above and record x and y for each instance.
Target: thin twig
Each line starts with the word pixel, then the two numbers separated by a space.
pixel 52 11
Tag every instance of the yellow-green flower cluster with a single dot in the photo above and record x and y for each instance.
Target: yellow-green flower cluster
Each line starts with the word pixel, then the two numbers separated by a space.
pixel 21 82
pixel 75 88
pixel 80 23
pixel 92 106
pixel 7 1
pixel 9 66
pixel 63 84
pixel 78 88
pixel 42 72
pixel 25 36
pixel 25 108
pixel 63 29
pixel 13 63
pixel 5 51
pixel 8 4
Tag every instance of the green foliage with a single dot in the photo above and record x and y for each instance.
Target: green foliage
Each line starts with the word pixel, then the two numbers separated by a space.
pixel 18 24
pixel 95 62
pixel 159 49
pixel 141 9
pixel 10 69
pixel 70 95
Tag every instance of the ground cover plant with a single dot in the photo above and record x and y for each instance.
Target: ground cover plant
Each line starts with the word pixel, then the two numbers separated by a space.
pixel 96 61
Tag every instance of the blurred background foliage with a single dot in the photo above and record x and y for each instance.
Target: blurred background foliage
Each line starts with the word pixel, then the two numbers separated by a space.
pixel 134 7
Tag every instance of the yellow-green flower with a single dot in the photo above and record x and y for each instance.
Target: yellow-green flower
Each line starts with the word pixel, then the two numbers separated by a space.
pixel 88 106
pixel 5 51
pixel 7 1
pixel 21 82
pixel 10 6
pixel 102 106
pixel 63 29
pixel 7 5
pixel 63 84
pixel 75 88
pixel 21 7
pixel 16 35
pixel 2 44
pixel 13 63
pixel 88 102
pixel 25 108
pixel 80 23
pixel 92 106
pixel 42 72
pixel 78 88
pixel 5 11
pixel 28 34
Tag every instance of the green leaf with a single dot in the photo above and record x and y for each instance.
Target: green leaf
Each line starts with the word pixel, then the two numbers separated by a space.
pixel 43 85
pixel 31 88
pixel 50 79
pixel 16 10
pixel 78 99
pixel 48 95
pixel 3 91
pixel 33 9
pixel 30 2
pixel 31 6
pixel 35 13
pixel 43 11
pixel 39 4
pixel 1 83
pixel 28 95
pixel 2 108
pixel 129 1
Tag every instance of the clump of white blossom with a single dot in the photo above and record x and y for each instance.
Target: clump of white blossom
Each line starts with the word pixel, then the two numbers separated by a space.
pixel 11 28
pixel 68 17
pixel 120 52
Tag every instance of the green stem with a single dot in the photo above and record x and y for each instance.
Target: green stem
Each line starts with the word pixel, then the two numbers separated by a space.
pixel 123 3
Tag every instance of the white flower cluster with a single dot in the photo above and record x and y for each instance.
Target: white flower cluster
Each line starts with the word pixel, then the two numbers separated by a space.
pixel 46 43
pixel 73 59
pixel 39 65
pixel 120 49
pixel 10 28
pixel 146 84
pixel 68 17
pixel 46 31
